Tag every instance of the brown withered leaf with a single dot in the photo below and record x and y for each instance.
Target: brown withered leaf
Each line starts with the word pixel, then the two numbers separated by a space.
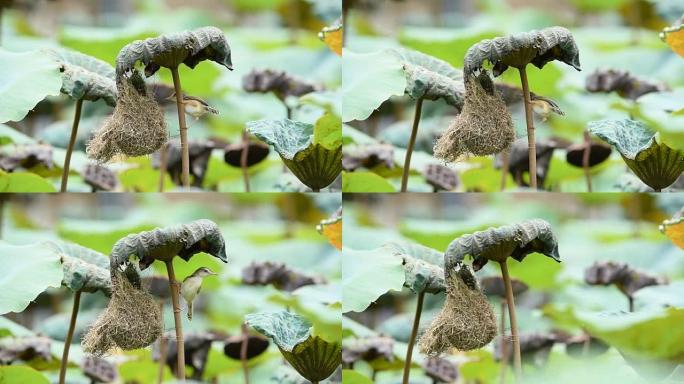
pixel 624 83
pixel 441 178
pixel 440 370
pixel 197 346
pixel 599 153
pixel 534 347
pixel 278 274
pixel 99 177
pixel 26 156
pixel 98 369
pixel 519 162
pixel 200 152
pixel 256 153
pixel 494 286
pixel 367 156
pixel 13 349
pixel 368 349
pixel 280 83
pixel 256 345
pixel 627 279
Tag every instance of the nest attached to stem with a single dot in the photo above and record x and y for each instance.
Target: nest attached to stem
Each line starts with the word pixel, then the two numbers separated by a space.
pixel 484 126
pixel 132 320
pixel 136 128
pixel 466 321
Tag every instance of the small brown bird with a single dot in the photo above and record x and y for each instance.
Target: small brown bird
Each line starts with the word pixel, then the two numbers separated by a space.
pixel 192 285
pixel 195 107
pixel 543 106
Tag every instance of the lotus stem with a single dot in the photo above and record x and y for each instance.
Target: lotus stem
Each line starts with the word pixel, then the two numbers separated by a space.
pixel 412 141
pixel 163 160
pixel 631 303
pixel 243 159
pixel 505 166
pixel 531 144
pixel 69 336
pixel 412 340
pixel 504 344
pixel 585 159
pixel 70 148
pixel 517 360
pixel 243 352
pixel 180 346
pixel 162 350
pixel 185 153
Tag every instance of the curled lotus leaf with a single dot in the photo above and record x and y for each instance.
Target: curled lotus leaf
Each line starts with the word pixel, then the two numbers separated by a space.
pixel 656 164
pixel 312 152
pixel 331 229
pixel 497 244
pixel 520 49
pixel 627 279
pixel 312 356
pixel 674 37
pixel 84 269
pixel 184 241
pixel 172 50
pixel 280 83
pixel 85 77
pixel 422 267
pixel 430 78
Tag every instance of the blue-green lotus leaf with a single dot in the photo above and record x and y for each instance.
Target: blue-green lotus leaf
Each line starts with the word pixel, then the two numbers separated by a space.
pixel 85 77
pixel 422 266
pixel 172 50
pixel 518 50
pixel 184 241
pixel 656 164
pixel 84 269
pixel 497 244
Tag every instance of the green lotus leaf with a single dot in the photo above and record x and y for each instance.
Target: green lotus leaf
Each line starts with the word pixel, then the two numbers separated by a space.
pixel 184 241
pixel 656 164
pixel 20 374
pixel 422 267
pixel 313 357
pixel 27 271
pixel 85 77
pixel 520 49
pixel 430 78
pixel 497 244
pixel 312 152
pixel 367 275
pixel 84 269
pixel 26 79
pixel 172 50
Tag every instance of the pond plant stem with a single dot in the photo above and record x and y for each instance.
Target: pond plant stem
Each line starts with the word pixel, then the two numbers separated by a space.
pixel 185 153
pixel 162 350
pixel 243 352
pixel 180 345
pixel 505 166
pixel 585 159
pixel 504 344
pixel 412 340
pixel 412 141
pixel 243 159
pixel 69 336
pixel 70 148
pixel 531 144
pixel 163 163
pixel 517 360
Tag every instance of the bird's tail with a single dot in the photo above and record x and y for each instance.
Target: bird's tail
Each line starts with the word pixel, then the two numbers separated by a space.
pixel 212 110
pixel 190 311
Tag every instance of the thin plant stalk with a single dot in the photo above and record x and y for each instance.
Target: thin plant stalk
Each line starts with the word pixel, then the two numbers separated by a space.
pixel 70 148
pixel 163 164
pixel 162 350
pixel 185 152
pixel 180 345
pixel 412 340
pixel 504 344
pixel 631 303
pixel 243 159
pixel 585 159
pixel 70 335
pixel 412 141
pixel 531 144
pixel 243 352
pixel 517 359
pixel 505 166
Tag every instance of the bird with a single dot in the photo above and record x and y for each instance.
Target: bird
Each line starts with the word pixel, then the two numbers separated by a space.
pixel 194 106
pixel 543 106
pixel 192 285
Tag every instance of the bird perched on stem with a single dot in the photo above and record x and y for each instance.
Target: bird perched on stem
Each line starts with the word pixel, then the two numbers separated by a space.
pixel 194 106
pixel 192 285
